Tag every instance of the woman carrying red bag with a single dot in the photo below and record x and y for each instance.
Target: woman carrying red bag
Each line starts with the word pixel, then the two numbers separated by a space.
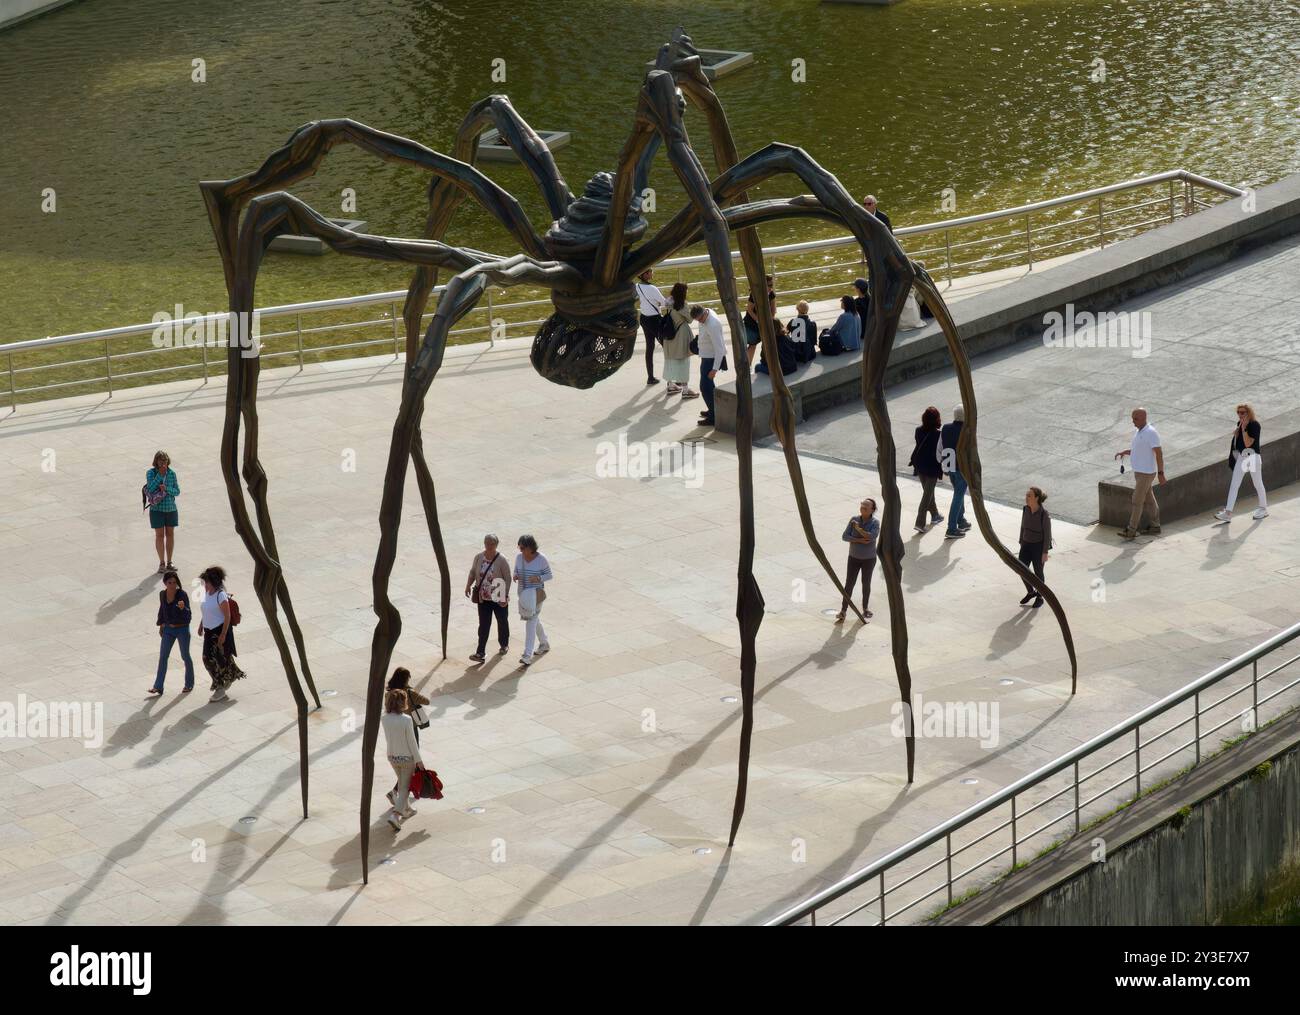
pixel 403 755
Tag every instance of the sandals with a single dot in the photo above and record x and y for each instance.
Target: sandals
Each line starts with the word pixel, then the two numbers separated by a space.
pixel 155 692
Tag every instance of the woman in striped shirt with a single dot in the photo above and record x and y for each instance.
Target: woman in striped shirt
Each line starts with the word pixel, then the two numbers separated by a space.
pixel 532 572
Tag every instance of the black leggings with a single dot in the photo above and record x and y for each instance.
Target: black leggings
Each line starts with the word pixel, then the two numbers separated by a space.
pixel 866 566
pixel 646 324
pixel 1031 554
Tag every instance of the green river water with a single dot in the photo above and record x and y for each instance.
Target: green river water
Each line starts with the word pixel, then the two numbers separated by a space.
pixel 994 100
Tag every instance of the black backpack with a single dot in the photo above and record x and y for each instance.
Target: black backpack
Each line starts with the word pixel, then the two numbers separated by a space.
pixel 829 344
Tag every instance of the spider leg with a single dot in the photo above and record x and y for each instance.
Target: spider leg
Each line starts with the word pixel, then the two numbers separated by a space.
pixel 459 297
pixel 445 196
pixel 969 461
pixel 658 109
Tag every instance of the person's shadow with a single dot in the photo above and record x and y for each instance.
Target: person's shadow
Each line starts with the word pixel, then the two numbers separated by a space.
pixel 131 597
pixel 1011 634
pixel 1223 544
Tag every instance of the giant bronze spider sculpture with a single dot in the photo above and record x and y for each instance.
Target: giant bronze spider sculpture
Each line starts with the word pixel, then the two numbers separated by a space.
pixel 588 260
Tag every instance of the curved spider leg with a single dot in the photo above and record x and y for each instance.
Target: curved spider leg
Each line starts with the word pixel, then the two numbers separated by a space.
pixel 968 459
pixel 659 107
pixel 444 198
pixel 694 83
pixel 299 158
pixel 459 297
pixel 268 216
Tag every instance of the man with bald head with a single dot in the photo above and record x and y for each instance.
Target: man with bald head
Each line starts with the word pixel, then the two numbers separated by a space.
pixel 1148 460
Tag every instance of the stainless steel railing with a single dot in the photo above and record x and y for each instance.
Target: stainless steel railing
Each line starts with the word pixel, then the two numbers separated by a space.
pixel 1007 810
pixel 1037 232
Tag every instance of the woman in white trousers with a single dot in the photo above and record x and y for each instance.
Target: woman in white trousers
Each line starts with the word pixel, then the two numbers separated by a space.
pixel 532 572
pixel 1245 457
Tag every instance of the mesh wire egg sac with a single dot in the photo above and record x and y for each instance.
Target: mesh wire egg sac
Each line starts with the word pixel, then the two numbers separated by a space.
pixel 570 354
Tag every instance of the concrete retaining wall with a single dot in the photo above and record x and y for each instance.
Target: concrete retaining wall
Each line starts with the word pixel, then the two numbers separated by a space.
pixel 13 12
pixel 1012 313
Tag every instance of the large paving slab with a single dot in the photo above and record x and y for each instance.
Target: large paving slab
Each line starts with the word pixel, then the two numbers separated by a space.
pixel 1054 417
pixel 605 769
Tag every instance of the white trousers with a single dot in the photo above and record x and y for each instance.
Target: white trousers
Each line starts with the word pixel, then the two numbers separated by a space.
pixel 533 632
pixel 1251 463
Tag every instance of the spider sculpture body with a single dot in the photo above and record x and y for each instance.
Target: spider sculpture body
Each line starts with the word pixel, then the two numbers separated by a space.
pixel 588 259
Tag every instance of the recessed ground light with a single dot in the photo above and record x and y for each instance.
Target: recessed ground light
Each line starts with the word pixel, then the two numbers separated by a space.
pixel 830 611
pixel 1005 681
pixel 729 699
pixel 329 694
pixel 703 851
pixel 969 782
pixel 477 810
pixel 388 861
pixel 247 819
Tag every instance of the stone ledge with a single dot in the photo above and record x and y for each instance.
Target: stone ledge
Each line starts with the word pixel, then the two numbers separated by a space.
pixel 1014 312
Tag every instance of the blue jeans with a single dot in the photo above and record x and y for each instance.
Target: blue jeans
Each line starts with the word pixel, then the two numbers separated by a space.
pixel 957 512
pixel 706 383
pixel 171 635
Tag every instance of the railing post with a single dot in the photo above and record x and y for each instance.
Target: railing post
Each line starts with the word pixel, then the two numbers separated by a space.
pixel 1076 798
pixel 298 322
pixel 397 335
pixel 1137 757
pixel 108 366
pixel 13 397
pixel 1196 724
pixel 1013 832
pixel 492 331
pixel 948 844
pixel 812 918
pixel 203 349
pixel 1189 197
pixel 1029 241
pixel 1254 693
pixel 1171 200
pixel 1101 222
pixel 947 252
pixel 882 898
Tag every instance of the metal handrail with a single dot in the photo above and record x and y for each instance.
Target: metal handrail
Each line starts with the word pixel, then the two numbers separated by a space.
pixel 393 298
pixel 942 834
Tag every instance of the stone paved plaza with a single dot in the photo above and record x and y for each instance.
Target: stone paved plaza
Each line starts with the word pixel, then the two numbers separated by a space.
pixel 604 769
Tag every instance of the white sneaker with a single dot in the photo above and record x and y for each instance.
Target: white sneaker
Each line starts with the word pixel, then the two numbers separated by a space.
pixel 543 648
pixel 218 695
pixel 1260 513
pixel 1223 515
pixel 525 660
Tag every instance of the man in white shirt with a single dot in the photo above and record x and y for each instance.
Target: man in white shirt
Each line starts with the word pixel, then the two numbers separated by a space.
pixel 1148 460
pixel 652 302
pixel 713 349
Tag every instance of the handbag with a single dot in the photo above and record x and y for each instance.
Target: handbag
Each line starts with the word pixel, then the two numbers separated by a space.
pixel 527 604
pixel 150 498
pixel 420 717
pixel 425 784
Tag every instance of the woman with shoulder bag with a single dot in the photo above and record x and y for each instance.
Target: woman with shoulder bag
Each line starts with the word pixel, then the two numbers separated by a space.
pixel 1245 455
pixel 677 349
pixel 174 617
pixel 217 629
pixel 488 587
pixel 161 488
pixel 403 754
pixel 532 572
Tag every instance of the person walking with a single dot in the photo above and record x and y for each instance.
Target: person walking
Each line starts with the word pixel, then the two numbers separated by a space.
pixel 403 754
pixel 532 572
pixel 1035 539
pixel 862 306
pixel 161 488
pixel 174 616
pixel 653 305
pixel 1148 461
pixel 861 534
pixel 401 681
pixel 1245 455
pixel 218 634
pixel 677 350
pixel 925 464
pixel 488 587
pixel 712 352
pixel 949 435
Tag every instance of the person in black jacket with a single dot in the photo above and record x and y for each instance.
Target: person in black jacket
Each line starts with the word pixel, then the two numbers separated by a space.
pixel 1245 455
pixel 925 463
pixel 803 333
pixel 862 306
pixel 1035 540
pixel 949 435
pixel 174 616
pixel 869 202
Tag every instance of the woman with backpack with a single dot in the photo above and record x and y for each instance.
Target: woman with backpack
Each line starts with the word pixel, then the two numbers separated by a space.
pixel 161 488
pixel 677 350
pixel 220 615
